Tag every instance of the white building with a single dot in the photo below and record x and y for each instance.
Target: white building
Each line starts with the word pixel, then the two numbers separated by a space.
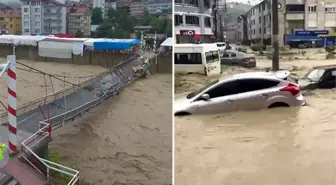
pixel 99 4
pixel 43 17
pixel 193 21
pixel 158 6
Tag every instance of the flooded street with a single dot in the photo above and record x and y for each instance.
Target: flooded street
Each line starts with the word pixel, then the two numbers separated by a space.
pixel 126 140
pixel 285 146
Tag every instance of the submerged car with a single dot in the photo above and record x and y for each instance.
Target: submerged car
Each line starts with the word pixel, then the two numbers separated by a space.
pixel 238 59
pixel 245 91
pixel 321 77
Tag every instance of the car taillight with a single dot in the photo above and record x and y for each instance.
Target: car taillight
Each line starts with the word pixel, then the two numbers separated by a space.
pixel 293 89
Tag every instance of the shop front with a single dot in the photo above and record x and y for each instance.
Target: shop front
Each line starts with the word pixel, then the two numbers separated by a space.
pixel 308 38
pixel 190 36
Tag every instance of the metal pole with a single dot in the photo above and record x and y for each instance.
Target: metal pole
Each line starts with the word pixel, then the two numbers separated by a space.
pixel 275 35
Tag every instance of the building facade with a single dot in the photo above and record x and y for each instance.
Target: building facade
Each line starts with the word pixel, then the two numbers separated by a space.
pixel 10 21
pixel 137 8
pixel 299 20
pixel 158 6
pixel 242 35
pixel 193 21
pixel 43 17
pixel 79 20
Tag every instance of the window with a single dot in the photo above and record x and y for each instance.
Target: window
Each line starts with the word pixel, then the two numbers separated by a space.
pixel 207 3
pixel 224 89
pixel 10 19
pixel 178 1
pixel 259 30
pixel 207 22
pixel 312 8
pixel 211 57
pixel 192 20
pixel 191 3
pixel 330 9
pixel 264 17
pixel 259 19
pixel 248 85
pixel 193 94
pixel 226 55
pixel 26 30
pixel 37 24
pixel 188 58
pixel 37 17
pixel 178 19
pixel 11 26
pixel 26 23
pixel 37 31
pixel 25 10
pixel 37 9
pixel 26 17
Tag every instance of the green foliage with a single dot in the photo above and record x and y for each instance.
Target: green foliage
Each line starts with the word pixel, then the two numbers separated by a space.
pixel 119 24
pixel 79 34
pixel 55 157
pixel 330 49
pixel 97 16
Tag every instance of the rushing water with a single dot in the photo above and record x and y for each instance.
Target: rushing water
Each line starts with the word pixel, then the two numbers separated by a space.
pixel 126 140
pixel 285 146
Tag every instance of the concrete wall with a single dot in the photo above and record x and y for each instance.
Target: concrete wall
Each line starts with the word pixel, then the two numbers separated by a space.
pixel 101 58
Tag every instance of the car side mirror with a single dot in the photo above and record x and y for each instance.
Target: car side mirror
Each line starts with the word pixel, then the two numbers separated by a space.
pixel 205 96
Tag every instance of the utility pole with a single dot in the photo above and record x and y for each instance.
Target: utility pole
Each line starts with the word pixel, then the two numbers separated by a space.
pixel 275 35
pixel 215 10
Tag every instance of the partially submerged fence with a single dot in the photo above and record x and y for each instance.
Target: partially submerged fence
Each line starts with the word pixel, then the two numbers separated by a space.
pixel 53 170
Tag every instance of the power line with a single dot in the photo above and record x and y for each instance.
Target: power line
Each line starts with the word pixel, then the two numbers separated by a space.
pixel 90 76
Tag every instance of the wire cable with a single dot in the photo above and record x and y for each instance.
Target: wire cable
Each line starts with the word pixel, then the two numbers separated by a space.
pixel 90 76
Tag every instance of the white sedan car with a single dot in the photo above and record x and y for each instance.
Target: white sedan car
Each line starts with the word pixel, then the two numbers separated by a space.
pixel 245 91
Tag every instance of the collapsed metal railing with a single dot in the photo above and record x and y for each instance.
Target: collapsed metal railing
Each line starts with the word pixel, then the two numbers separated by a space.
pixel 47 167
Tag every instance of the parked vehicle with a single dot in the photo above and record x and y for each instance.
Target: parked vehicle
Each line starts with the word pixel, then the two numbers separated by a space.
pixel 221 46
pixel 245 91
pixel 197 58
pixel 322 77
pixel 238 59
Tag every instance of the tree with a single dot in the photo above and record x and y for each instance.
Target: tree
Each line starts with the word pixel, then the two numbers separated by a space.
pixel 138 34
pixel 97 16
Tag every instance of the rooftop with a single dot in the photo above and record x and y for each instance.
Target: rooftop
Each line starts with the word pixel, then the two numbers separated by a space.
pixel 10 13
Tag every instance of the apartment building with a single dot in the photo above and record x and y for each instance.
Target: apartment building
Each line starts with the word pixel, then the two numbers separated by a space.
pixel 123 4
pixel 158 6
pixel 137 8
pixel 194 21
pixel 43 17
pixel 79 20
pixel 299 21
pixel 10 21
pixel 242 33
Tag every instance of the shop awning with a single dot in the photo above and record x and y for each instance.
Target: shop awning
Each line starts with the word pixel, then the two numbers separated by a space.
pixel 329 35
pixel 297 38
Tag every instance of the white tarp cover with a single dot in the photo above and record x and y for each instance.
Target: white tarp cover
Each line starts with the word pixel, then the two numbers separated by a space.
pixel 168 42
pixel 60 47
pixel 17 40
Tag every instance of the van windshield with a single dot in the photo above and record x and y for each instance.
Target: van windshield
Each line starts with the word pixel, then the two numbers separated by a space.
pixel 212 56
pixel 193 94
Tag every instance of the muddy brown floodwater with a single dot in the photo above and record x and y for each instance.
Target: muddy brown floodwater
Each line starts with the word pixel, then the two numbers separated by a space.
pixel 285 146
pixel 126 140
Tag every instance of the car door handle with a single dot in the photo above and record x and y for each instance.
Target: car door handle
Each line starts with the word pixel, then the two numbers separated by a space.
pixel 263 95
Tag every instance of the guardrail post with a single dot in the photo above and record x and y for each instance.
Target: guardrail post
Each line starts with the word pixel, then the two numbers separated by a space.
pixel 48 172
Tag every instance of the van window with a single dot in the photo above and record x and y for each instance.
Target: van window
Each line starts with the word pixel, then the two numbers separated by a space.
pixel 212 56
pixel 188 58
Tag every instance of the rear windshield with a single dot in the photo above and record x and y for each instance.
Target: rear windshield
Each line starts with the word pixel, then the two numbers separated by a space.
pixel 212 56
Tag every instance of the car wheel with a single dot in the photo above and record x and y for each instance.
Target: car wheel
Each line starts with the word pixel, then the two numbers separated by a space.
pixel 182 114
pixel 278 104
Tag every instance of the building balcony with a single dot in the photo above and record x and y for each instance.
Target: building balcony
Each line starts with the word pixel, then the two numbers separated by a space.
pixel 291 16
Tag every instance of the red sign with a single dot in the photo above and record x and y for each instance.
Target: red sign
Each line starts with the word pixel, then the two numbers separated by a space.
pixel 187 32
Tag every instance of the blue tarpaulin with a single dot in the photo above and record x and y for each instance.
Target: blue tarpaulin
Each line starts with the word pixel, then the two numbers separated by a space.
pixel 115 44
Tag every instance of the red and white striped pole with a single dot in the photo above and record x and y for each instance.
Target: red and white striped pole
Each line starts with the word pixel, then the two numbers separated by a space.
pixel 12 103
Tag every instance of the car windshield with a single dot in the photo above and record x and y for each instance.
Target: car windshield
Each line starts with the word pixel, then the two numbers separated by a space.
pixel 315 75
pixel 193 94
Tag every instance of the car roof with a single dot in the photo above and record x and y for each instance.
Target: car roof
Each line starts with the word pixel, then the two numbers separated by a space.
pixel 262 74
pixel 325 67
